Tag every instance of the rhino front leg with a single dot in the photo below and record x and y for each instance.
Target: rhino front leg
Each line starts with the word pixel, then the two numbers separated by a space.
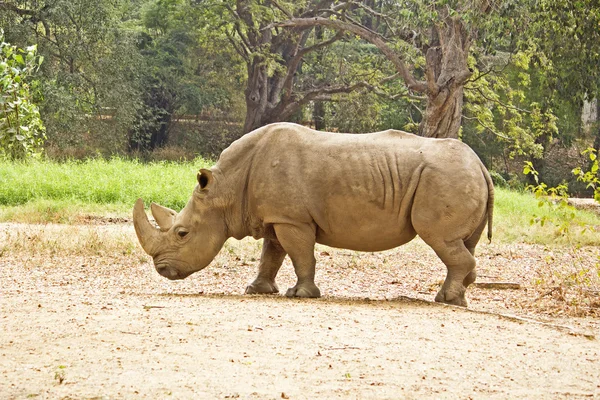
pixel 299 243
pixel 270 261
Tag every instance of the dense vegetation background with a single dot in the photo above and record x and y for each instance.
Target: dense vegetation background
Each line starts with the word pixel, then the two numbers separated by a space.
pixel 171 79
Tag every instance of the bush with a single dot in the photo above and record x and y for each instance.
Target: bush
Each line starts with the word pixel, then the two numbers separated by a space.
pixel 498 179
pixel 22 132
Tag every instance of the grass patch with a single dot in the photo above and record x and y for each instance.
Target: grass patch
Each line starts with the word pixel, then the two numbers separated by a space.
pixel 517 216
pixel 114 184
pixel 74 191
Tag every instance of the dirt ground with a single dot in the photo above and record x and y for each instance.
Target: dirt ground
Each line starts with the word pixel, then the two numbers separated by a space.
pixel 83 315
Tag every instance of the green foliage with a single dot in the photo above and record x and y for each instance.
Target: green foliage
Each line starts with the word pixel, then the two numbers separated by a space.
pixel 507 106
pixel 563 215
pixel 183 75
pixel 90 78
pixel 590 177
pixel 555 198
pixel 22 132
pixel 498 179
pixel 567 33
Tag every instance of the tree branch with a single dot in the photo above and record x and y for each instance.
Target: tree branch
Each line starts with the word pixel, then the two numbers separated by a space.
pixel 243 14
pixel 241 50
pixel 325 43
pixel 15 9
pixel 297 59
pixel 375 39
pixel 507 106
pixel 492 130
pixel 376 14
pixel 345 18
pixel 321 92
pixel 283 10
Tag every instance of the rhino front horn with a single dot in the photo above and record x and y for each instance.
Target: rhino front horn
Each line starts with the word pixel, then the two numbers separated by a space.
pixel 146 233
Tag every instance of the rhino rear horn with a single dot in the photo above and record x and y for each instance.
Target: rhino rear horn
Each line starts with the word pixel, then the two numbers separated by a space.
pixel 165 217
pixel 146 233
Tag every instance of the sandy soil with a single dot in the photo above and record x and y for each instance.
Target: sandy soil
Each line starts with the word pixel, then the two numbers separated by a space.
pixel 101 323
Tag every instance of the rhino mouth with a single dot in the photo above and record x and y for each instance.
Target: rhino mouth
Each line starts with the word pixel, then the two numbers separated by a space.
pixel 170 272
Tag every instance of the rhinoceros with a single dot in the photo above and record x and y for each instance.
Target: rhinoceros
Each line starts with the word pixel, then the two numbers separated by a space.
pixel 293 187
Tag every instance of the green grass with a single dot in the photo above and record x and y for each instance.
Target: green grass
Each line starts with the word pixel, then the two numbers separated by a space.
pixel 518 216
pixel 95 186
pixel 44 191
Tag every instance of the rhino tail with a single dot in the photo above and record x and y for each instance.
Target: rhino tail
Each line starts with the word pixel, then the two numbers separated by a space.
pixel 490 202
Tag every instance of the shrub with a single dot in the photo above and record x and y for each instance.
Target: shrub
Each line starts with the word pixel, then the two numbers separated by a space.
pixel 22 132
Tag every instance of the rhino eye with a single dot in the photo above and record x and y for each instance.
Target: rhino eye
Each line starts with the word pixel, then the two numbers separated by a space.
pixel 182 233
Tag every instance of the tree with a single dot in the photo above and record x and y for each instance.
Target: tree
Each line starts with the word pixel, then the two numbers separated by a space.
pixel 91 69
pixel 22 132
pixel 273 55
pixel 441 32
pixel 452 51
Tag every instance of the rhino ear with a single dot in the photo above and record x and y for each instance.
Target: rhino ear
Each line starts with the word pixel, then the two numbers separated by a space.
pixel 165 217
pixel 205 179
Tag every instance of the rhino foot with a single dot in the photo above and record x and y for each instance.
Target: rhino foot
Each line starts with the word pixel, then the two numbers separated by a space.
pixel 456 298
pixel 304 290
pixel 260 286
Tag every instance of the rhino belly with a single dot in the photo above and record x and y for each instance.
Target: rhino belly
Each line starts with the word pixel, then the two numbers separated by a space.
pixel 364 234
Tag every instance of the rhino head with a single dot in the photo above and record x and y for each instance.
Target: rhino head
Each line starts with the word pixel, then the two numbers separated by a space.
pixel 185 242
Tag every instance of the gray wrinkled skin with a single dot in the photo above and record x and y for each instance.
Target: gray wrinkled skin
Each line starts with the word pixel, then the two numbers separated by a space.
pixel 294 187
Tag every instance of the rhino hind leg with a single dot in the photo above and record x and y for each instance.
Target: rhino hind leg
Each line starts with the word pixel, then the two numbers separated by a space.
pixel 461 271
pixel 470 244
pixel 270 261
pixel 299 243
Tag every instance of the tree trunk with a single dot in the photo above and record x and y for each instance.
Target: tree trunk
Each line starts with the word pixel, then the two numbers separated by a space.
pixel 596 127
pixel 539 164
pixel 319 115
pixel 256 96
pixel 447 72
pixel 269 98
pixel 265 101
pixel 442 118
pixel 319 106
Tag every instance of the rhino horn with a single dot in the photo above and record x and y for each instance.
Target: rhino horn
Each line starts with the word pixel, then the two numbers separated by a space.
pixel 146 233
pixel 164 216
